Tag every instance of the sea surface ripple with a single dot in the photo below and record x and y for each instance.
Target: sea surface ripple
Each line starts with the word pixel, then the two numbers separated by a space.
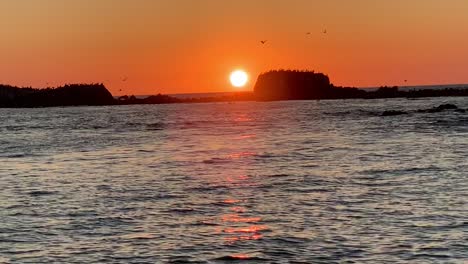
pixel 254 182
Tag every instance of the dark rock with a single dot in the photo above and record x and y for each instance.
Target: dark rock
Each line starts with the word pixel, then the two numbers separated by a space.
pixel 440 108
pixel 447 107
pixel 393 113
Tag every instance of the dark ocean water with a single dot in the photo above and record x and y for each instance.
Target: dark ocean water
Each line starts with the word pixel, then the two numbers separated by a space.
pixel 253 182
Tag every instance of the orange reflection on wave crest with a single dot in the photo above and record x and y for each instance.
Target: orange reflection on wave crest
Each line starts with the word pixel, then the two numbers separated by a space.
pixel 245 136
pixel 240 256
pixel 237 178
pixel 235 218
pixel 250 229
pixel 243 238
pixel 238 155
pixel 238 209
pixel 231 201
pixel 243 118
pixel 238 181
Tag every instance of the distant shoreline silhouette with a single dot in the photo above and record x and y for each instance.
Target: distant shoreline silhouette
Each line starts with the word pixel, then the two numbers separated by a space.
pixel 270 86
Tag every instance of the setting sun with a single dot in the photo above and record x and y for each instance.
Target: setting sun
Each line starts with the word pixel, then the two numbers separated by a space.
pixel 239 78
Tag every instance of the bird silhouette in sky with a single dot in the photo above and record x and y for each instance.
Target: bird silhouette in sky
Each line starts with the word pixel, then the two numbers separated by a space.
pixel 124 79
pixel 263 41
pixel 308 33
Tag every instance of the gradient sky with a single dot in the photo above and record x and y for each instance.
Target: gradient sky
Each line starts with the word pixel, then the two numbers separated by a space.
pixel 185 46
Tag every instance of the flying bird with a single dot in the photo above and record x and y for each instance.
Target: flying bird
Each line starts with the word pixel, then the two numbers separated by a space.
pixel 124 79
pixel 263 41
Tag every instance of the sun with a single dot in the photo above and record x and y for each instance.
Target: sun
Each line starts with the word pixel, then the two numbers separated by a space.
pixel 239 78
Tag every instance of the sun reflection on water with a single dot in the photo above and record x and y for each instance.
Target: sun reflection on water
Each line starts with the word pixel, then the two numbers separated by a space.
pixel 242 118
pixel 236 218
pixel 231 201
pixel 238 209
pixel 239 225
pixel 288 186
pixel 240 256
pixel 242 154
pixel 242 137
pixel 235 239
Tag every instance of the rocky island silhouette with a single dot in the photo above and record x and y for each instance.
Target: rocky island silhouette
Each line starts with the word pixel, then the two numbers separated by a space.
pixel 308 85
pixel 68 95
pixel 270 86
pixel 300 85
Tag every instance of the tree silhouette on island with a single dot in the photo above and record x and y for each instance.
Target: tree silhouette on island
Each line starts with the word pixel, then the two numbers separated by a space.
pixel 270 86
pixel 300 85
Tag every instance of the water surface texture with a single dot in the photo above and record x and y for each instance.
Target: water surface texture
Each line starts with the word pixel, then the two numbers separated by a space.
pixel 253 182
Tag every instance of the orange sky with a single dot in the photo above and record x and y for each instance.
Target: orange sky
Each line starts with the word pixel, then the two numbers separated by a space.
pixel 184 46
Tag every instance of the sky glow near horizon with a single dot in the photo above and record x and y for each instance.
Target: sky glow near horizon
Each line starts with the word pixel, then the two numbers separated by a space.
pixel 185 46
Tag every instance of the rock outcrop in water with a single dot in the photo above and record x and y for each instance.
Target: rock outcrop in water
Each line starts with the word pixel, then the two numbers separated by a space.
pixel 292 85
pixel 308 85
pixel 300 85
pixel 68 95
pixel 438 109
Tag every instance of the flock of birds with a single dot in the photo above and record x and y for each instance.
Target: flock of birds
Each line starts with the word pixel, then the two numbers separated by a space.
pixel 263 42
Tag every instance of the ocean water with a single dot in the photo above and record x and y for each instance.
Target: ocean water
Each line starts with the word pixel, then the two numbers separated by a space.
pixel 250 182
